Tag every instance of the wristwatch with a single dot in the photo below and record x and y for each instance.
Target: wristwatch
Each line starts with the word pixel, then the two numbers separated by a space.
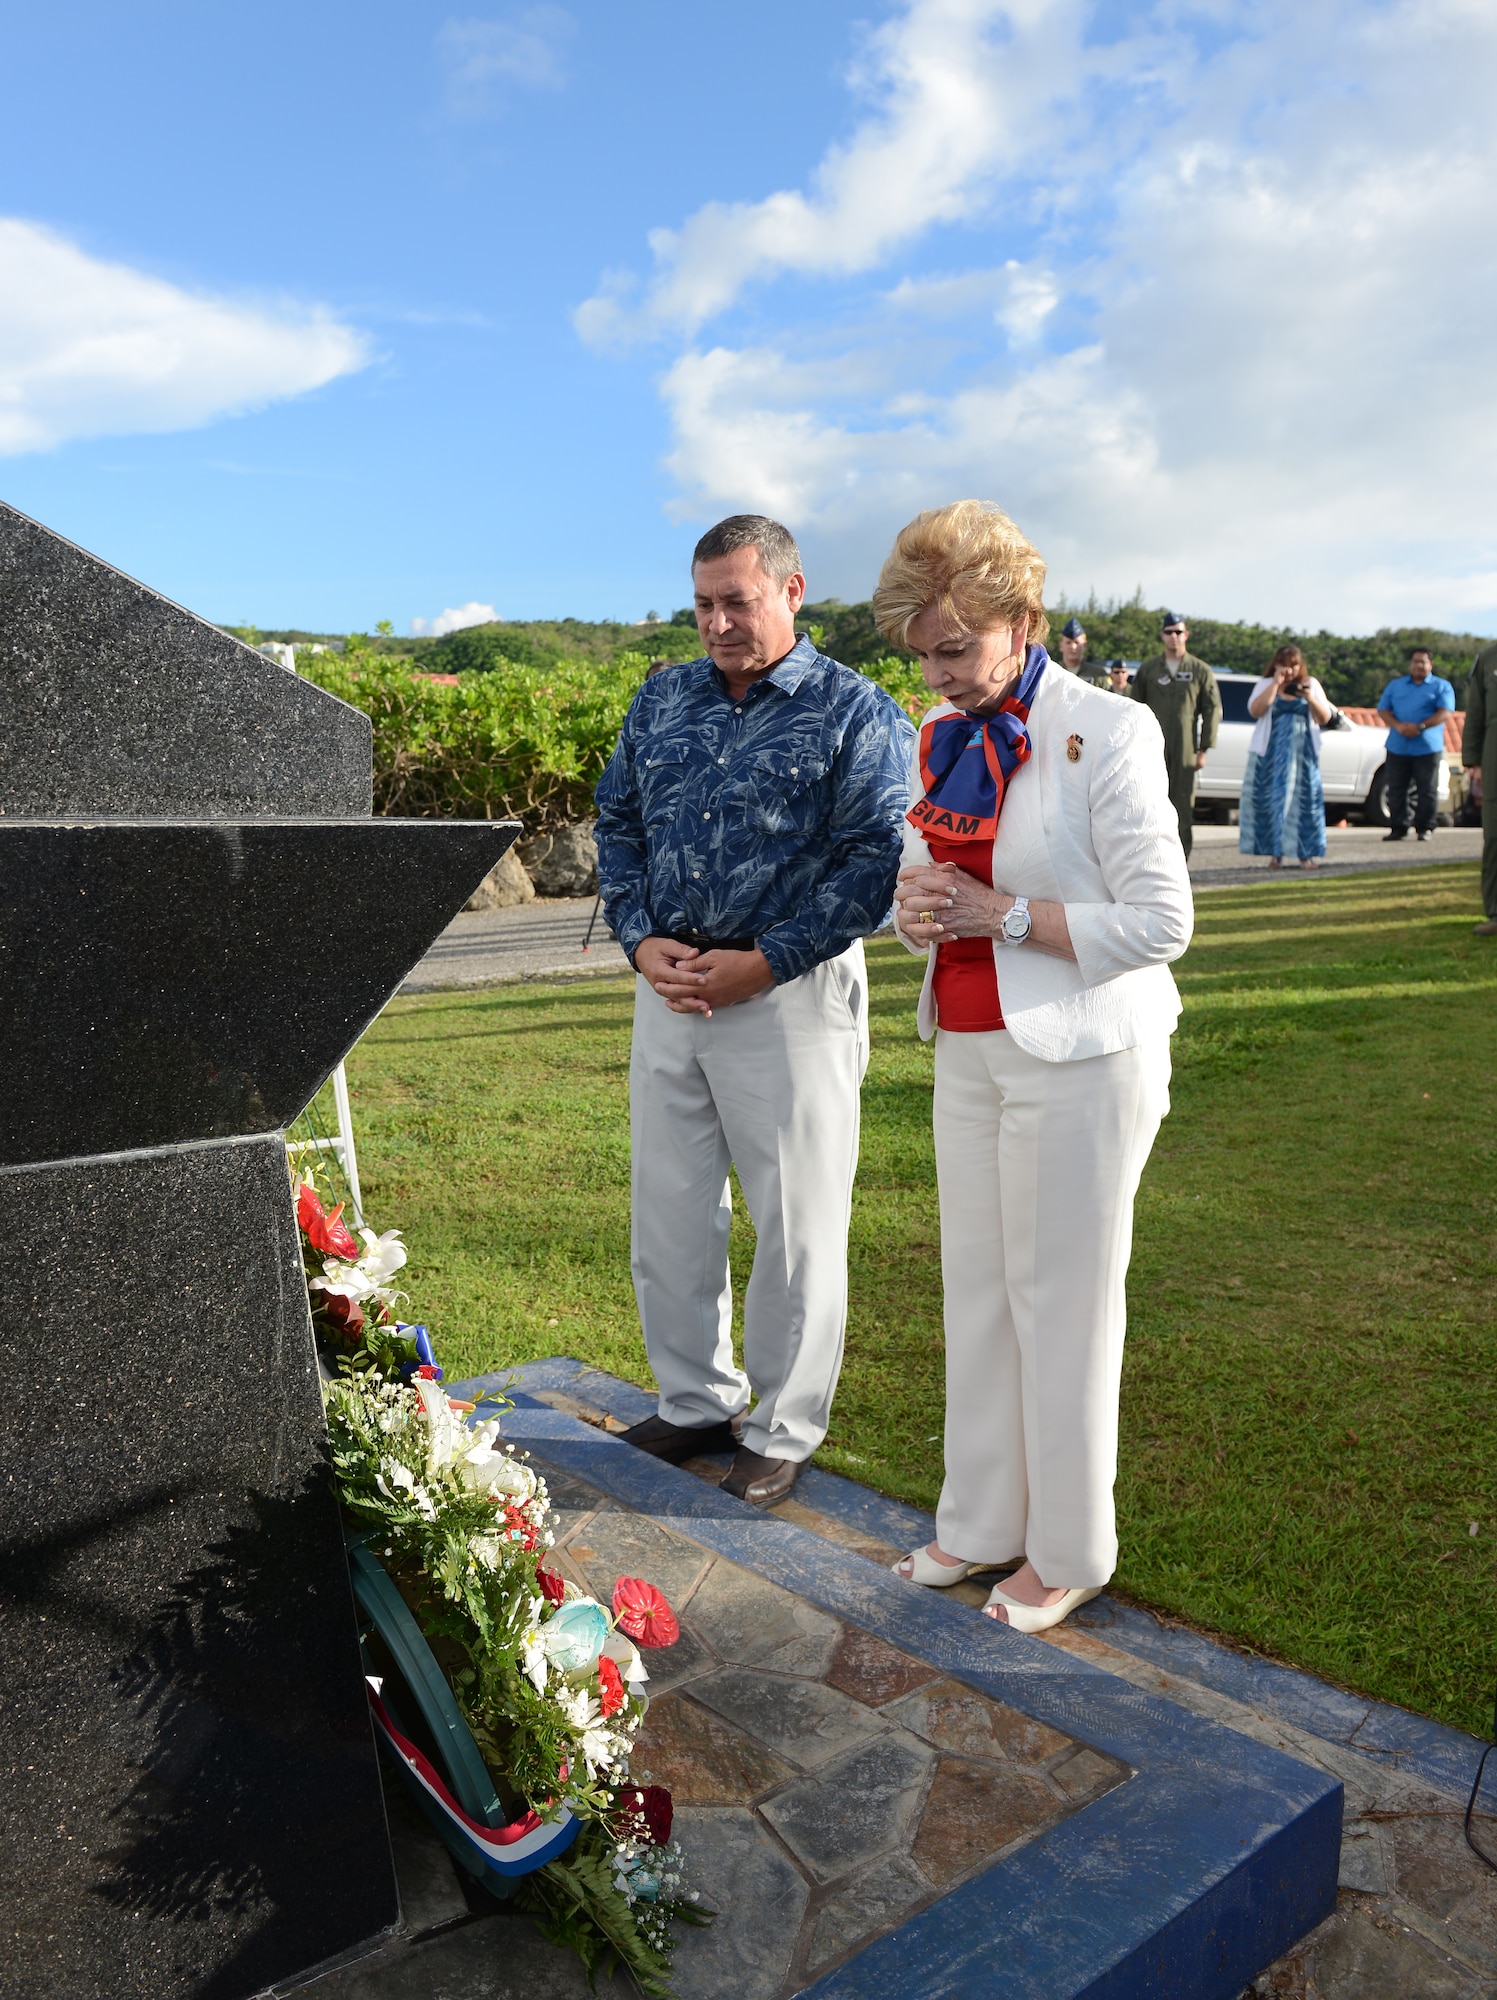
pixel 1015 925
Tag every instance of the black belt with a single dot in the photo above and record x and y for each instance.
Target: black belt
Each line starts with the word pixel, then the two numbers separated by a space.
pixel 701 942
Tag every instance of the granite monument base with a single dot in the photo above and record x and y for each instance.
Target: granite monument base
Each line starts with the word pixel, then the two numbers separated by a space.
pixel 189 1800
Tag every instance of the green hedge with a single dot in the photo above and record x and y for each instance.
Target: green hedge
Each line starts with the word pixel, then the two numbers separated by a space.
pixel 514 741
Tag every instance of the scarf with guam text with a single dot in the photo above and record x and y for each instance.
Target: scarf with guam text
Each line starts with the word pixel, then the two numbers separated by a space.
pixel 966 762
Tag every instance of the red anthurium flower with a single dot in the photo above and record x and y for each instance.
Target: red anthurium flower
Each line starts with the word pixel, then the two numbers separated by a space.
pixel 648 1807
pixel 343 1314
pixel 610 1686
pixel 324 1232
pixel 641 1612
pixel 553 1587
pixel 335 1239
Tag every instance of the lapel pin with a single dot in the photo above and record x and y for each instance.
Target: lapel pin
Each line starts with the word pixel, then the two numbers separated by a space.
pixel 1073 749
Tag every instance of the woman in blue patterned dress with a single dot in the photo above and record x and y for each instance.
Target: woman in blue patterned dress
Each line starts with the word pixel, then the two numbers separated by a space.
pixel 1283 805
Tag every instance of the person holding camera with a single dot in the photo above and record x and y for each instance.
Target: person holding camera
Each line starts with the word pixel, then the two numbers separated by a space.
pixel 1283 803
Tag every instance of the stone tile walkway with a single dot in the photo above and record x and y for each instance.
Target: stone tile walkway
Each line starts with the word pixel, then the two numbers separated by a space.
pixel 1417 1912
pixel 825 1782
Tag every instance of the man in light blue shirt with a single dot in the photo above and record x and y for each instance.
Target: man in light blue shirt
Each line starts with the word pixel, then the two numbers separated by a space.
pixel 1415 709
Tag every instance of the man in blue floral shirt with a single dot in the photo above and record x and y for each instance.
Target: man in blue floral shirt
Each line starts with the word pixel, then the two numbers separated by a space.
pixel 749 836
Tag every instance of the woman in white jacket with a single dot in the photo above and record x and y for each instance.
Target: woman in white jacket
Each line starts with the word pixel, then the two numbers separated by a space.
pixel 1046 884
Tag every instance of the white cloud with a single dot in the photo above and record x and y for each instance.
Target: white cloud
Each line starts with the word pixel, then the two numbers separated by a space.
pixel 480 56
pixel 952 83
pixel 453 620
pixel 93 349
pixel 1243 359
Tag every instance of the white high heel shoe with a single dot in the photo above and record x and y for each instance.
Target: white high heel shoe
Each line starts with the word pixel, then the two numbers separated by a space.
pixel 934 1575
pixel 1039 1618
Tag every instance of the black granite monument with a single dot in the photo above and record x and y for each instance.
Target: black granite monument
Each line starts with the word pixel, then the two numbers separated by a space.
pixel 198 917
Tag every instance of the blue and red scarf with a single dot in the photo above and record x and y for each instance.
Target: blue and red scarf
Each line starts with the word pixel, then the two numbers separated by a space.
pixel 966 762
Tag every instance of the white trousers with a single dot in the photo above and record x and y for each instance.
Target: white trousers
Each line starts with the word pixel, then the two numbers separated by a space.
pixel 1038 1164
pixel 770 1087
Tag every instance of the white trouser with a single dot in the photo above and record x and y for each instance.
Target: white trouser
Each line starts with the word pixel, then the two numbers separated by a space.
pixel 769 1087
pixel 1038 1164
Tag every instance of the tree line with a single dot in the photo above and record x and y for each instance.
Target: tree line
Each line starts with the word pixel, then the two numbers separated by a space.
pixel 1354 670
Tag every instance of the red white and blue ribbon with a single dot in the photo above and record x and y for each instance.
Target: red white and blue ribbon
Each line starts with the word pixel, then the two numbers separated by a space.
pixel 967 761
pixel 517 1849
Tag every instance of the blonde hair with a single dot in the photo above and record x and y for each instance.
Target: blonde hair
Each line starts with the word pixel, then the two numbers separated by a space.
pixel 969 560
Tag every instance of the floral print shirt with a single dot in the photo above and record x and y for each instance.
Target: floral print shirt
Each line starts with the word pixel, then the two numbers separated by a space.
pixel 778 817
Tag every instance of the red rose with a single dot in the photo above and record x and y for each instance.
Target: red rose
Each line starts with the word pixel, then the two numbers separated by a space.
pixel 345 1316
pixel 553 1587
pixel 610 1686
pixel 323 1231
pixel 648 1810
pixel 641 1611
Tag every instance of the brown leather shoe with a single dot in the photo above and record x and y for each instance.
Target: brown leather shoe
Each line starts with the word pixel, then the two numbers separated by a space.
pixel 1488 929
pixel 760 1480
pixel 678 1442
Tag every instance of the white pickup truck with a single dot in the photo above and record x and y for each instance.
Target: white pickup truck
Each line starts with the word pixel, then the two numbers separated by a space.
pixel 1352 757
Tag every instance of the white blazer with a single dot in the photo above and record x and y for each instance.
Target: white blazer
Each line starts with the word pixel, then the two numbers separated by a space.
pixel 1098 834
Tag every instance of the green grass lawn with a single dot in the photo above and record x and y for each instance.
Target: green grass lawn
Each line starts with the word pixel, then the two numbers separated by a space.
pixel 1312 1357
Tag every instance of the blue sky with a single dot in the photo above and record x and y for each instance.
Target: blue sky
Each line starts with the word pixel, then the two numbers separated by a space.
pixel 322 314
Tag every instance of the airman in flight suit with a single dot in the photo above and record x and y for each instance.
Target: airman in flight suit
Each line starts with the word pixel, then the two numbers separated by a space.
pixel 1182 692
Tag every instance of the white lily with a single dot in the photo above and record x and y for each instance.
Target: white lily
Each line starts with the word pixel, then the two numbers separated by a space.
pixel 575 1706
pixel 533 1662
pixel 490 1471
pixel 393 1473
pixel 447 1438
pixel 599 1748
pixel 383 1255
pixel 344 1280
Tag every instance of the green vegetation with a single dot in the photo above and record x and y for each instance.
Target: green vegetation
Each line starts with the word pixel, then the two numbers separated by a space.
pixel 516 741
pixel 1309 1388
pixel 516 737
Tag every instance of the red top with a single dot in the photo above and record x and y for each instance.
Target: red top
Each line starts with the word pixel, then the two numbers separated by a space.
pixel 966 981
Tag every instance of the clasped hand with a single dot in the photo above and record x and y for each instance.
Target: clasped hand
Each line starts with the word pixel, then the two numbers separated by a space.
pixel 694 982
pixel 939 900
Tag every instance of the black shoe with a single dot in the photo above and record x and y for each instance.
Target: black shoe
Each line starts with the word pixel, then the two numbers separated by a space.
pixel 677 1442
pixel 1424 836
pixel 760 1480
pixel 1393 836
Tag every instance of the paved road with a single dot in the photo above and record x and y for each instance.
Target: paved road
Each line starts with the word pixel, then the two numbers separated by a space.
pixel 543 940
pixel 537 941
pixel 1215 862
